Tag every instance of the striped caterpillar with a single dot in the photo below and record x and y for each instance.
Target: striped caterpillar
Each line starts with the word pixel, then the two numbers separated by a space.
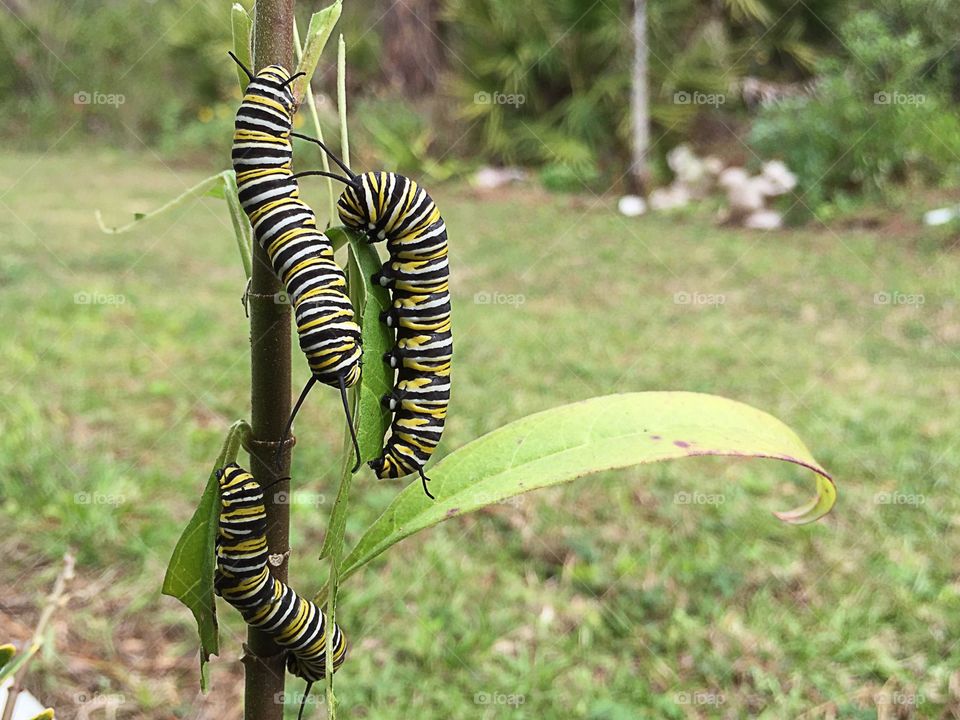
pixel 286 228
pixel 391 207
pixel 243 579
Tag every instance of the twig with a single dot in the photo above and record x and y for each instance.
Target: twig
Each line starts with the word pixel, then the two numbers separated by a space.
pixel 57 598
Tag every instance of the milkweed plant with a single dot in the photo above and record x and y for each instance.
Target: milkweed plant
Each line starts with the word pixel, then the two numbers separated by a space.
pixel 541 450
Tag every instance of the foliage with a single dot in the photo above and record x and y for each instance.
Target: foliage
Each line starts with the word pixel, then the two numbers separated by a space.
pixel 783 39
pixel 876 118
pixel 189 576
pixel 92 66
pixel 550 85
pixel 395 135
pixel 534 83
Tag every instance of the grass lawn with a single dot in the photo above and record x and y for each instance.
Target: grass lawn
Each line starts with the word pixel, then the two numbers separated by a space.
pixel 604 599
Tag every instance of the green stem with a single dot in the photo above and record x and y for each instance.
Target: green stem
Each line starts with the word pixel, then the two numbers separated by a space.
pixel 201 188
pixel 241 226
pixel 336 529
pixel 342 99
pixel 315 119
pixel 269 395
pixel 238 436
pixel 338 516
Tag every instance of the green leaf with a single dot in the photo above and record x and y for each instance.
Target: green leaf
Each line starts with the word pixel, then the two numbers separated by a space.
pixel 189 576
pixel 45 715
pixel 218 190
pixel 603 433
pixel 369 300
pixel 11 661
pixel 222 185
pixel 370 418
pixel 318 32
pixel 202 188
pixel 744 10
pixel 241 224
pixel 7 651
pixel 242 25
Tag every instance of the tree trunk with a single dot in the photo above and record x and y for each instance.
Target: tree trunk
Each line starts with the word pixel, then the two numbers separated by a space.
pixel 639 168
pixel 269 395
pixel 413 53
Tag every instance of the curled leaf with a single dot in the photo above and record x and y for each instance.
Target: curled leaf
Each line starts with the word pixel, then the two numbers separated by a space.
pixel 571 441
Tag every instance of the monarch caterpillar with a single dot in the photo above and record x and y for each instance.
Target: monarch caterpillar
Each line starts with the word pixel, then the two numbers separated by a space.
pixel 391 207
pixel 243 579
pixel 286 228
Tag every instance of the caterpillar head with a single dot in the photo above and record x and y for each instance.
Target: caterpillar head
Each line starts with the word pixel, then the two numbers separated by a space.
pixel 272 82
pixel 363 203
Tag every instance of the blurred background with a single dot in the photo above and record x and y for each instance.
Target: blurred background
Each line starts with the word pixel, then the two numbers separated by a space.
pixel 786 238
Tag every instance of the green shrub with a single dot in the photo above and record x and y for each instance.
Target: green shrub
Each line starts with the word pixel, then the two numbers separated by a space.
pixel 95 68
pixel 537 93
pixel 876 118
pixel 400 137
pixel 549 83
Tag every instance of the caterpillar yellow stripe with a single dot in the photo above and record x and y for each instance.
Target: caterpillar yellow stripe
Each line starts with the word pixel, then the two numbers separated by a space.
pixel 244 580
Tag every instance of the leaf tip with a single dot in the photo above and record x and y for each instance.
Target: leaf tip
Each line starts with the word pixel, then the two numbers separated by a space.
pixel 817 508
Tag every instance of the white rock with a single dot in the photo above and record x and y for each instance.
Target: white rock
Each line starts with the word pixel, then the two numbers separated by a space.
pixel 713 165
pixel 747 197
pixel 489 178
pixel 780 177
pixel 764 220
pixel 670 198
pixel 680 158
pixel 941 216
pixel 732 176
pixel 689 170
pixel 632 205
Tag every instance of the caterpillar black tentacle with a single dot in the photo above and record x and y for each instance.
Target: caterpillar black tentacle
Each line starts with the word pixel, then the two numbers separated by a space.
pixel 243 579
pixel 286 228
pixel 337 160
